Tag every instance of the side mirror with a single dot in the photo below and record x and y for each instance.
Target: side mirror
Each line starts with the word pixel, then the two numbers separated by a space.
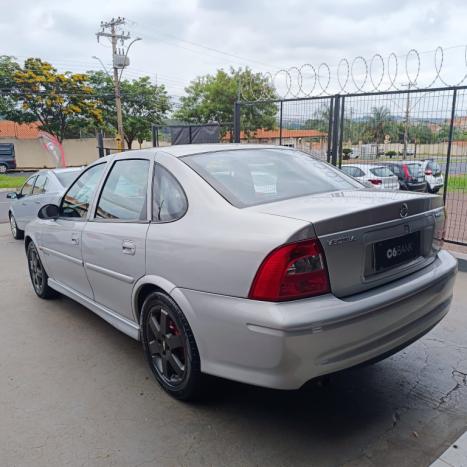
pixel 12 195
pixel 49 211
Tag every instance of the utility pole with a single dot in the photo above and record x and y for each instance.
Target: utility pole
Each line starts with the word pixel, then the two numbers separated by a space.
pixel 119 61
pixel 406 121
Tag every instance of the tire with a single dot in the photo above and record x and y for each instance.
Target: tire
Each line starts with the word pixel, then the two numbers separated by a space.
pixel 170 348
pixel 3 169
pixel 38 275
pixel 17 233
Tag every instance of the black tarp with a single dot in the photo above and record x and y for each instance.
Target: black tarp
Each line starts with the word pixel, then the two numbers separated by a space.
pixel 195 134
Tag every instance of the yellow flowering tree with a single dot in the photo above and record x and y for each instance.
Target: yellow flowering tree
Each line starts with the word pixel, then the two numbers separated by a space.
pixel 56 100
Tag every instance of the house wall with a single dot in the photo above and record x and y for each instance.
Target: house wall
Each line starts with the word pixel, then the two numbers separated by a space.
pixel 30 153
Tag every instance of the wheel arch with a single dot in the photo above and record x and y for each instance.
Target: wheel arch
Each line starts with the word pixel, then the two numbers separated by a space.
pixel 27 241
pixel 146 285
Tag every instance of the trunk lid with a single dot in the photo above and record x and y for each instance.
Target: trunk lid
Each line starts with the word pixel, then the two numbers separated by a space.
pixel 361 229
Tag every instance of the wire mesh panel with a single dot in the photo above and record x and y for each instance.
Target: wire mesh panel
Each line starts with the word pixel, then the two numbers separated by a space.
pixel 305 125
pixel 456 183
pixel 409 139
pixel 299 123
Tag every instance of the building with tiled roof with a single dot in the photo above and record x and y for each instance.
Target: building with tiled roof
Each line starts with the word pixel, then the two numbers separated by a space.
pixel 9 129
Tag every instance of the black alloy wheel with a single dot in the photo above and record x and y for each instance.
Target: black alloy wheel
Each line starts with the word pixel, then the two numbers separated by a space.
pixel 169 347
pixel 38 275
pixel 18 234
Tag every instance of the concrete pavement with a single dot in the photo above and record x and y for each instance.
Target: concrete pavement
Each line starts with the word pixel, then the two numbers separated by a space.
pixel 76 392
pixel 4 203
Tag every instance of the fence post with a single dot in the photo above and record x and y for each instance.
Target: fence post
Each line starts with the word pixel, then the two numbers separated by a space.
pixel 341 132
pixel 448 155
pixel 100 143
pixel 280 124
pixel 335 130
pixel 236 123
pixel 155 136
pixel 331 110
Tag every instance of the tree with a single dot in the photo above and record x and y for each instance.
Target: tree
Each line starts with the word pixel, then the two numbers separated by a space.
pixel 53 99
pixel 8 67
pixel 320 120
pixel 378 125
pixel 211 98
pixel 143 104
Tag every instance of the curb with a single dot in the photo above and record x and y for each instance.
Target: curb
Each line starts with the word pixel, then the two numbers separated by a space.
pixel 6 190
pixel 461 259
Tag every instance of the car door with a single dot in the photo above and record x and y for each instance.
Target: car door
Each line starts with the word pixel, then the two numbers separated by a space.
pixel 114 239
pixel 23 203
pixel 38 197
pixel 60 239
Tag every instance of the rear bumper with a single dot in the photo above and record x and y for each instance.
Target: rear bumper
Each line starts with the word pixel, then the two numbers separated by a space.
pixel 416 187
pixel 283 345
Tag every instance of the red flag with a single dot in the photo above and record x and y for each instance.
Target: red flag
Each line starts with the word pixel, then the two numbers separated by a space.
pixel 54 148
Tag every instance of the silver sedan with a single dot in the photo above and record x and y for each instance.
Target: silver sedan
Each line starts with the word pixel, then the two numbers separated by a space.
pixel 254 263
pixel 44 187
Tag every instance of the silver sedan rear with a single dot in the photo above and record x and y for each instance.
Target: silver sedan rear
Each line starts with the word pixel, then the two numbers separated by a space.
pixel 255 263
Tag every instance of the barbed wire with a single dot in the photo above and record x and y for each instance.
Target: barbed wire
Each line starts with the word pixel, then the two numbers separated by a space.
pixel 357 75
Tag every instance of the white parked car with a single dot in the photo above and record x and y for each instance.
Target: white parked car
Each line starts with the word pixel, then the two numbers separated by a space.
pixel 433 175
pixel 44 187
pixel 379 176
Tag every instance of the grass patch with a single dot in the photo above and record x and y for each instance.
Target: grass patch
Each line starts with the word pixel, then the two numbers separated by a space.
pixel 457 183
pixel 9 181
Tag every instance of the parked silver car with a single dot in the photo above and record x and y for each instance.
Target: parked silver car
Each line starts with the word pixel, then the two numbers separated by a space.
pixel 44 187
pixel 255 263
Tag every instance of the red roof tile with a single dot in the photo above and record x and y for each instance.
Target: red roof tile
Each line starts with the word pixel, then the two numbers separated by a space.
pixel 10 129
pixel 261 133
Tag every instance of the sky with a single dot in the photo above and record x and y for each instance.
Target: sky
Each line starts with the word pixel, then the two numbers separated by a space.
pixel 182 39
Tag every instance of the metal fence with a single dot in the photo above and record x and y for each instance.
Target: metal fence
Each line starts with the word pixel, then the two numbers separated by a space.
pixel 362 130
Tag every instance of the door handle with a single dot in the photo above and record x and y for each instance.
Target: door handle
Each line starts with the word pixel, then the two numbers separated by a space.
pixel 75 238
pixel 128 247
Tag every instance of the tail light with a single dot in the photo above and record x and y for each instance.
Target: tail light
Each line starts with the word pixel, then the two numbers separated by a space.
pixel 428 172
pixel 376 181
pixel 292 271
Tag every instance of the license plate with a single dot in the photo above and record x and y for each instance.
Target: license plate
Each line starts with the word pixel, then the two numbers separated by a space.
pixel 395 251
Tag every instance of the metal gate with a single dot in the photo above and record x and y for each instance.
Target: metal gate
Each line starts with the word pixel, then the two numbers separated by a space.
pixel 373 129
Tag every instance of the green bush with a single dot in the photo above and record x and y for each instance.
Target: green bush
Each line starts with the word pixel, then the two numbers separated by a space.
pixel 391 153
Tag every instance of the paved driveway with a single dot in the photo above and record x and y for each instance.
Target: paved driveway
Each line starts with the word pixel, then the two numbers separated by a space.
pixel 76 392
pixel 4 203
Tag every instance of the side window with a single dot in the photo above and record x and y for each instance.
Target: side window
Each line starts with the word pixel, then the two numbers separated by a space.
pixel 27 187
pixel 169 200
pixel 125 191
pixel 76 201
pixel 40 185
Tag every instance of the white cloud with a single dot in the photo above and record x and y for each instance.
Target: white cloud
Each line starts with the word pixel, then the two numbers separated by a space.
pixel 265 35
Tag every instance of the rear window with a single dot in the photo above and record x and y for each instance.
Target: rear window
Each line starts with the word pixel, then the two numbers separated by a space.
pixel 67 178
pixel 415 170
pixel 434 167
pixel 381 172
pixel 256 176
pixel 352 171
